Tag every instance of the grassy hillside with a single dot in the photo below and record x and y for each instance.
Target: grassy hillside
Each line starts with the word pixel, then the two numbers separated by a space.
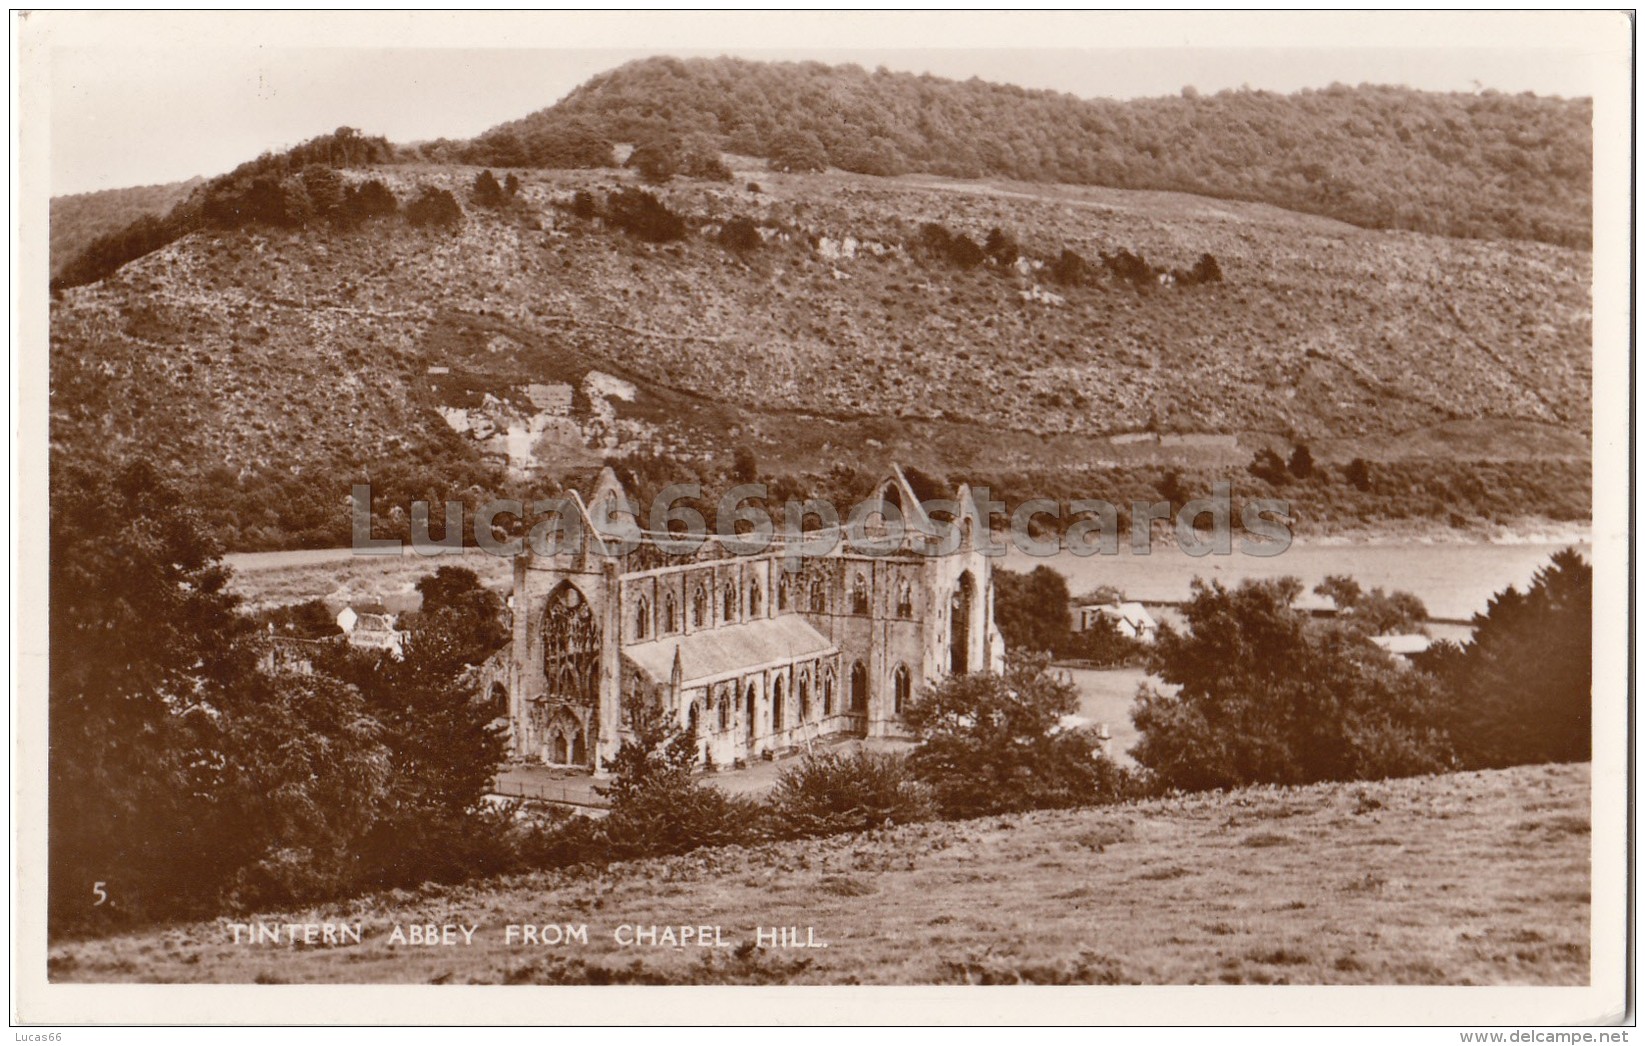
pixel 1488 165
pixel 79 219
pixel 1479 878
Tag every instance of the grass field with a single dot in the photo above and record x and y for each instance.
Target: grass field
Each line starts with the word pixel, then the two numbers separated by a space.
pixel 1477 878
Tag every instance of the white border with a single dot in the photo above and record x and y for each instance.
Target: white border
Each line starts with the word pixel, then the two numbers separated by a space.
pixel 1603 37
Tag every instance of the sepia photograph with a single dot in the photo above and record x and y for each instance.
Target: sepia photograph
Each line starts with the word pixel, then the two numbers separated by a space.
pixel 913 504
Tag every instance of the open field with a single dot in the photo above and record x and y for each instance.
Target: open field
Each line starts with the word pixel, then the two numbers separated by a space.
pixel 1477 878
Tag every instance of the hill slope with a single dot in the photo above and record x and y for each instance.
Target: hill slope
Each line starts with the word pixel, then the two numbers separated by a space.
pixel 1489 165
pixel 1479 878
pixel 79 219
pixel 261 355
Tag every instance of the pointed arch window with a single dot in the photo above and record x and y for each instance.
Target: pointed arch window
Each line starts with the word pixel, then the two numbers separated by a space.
pixel 699 606
pixel 571 647
pixel 859 594
pixel 642 618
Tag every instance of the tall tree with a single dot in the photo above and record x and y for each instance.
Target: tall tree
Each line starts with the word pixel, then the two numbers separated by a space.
pixel 145 642
pixel 1523 687
pixel 1258 693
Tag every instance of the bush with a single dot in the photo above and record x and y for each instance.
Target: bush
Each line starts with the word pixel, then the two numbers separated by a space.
pixel 740 234
pixel 436 208
pixel 831 793
pixel 656 806
pixel 487 191
pixel 371 199
pixel 642 215
pixel 995 744
pixel 1265 695
pixel 798 151
pixel 1267 465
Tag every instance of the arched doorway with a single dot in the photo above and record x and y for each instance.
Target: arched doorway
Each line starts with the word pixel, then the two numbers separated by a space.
pixel 859 689
pixel 959 625
pixel 563 741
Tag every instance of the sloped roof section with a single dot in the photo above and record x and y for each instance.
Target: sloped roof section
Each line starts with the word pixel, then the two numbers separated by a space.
pixel 731 650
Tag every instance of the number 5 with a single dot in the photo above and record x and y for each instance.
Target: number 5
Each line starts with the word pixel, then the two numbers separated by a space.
pixel 102 895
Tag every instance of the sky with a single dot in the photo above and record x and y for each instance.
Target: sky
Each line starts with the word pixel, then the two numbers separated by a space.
pixel 146 99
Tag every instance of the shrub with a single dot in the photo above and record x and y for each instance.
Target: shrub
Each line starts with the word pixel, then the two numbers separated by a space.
pixel 740 234
pixel 798 151
pixel 487 192
pixel 995 743
pixel 434 207
pixel 1071 270
pixel 1301 464
pixel 371 199
pixel 642 215
pixel 1267 465
pixel 830 793
pixel 1358 474
pixel 1265 695
pixel 656 806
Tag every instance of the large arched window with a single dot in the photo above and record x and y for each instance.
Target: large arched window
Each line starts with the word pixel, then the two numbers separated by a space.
pixel 571 648
pixel 725 709
pixel 782 591
pixel 804 685
pixel 671 614
pixel 754 599
pixel 905 600
pixel 777 710
pixel 642 618
pixel 819 596
pixel 730 601
pixel 699 606
pixel 827 685
pixel 859 594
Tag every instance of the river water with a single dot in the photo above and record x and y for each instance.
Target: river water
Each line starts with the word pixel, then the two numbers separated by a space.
pixel 1455 580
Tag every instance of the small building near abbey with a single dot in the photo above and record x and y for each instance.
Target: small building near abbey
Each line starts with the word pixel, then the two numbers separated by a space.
pixel 762 653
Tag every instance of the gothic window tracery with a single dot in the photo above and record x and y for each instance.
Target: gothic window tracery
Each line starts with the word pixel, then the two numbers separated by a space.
pixel 571 648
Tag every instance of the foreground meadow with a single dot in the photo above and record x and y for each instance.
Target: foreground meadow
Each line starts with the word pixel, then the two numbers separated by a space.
pixel 1473 878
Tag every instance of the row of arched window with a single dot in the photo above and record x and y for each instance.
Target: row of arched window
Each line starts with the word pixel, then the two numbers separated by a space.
pixel 814 594
pixel 725 698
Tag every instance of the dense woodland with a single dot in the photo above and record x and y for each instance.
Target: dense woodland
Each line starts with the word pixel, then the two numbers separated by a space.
pixel 1488 165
